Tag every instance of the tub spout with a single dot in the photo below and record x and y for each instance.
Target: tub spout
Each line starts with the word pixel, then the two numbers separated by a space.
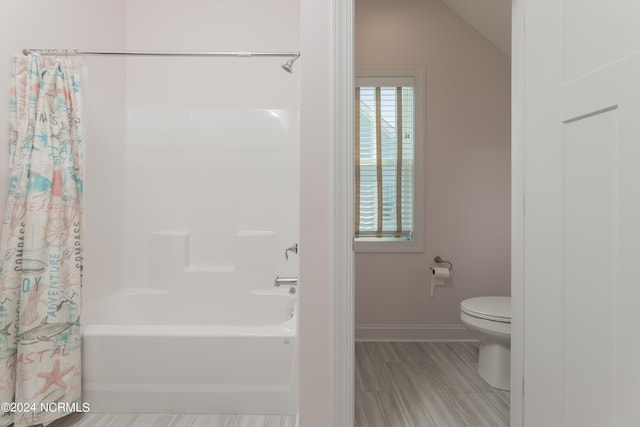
pixel 288 281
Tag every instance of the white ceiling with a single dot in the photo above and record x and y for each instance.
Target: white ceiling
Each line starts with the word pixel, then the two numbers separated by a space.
pixel 491 18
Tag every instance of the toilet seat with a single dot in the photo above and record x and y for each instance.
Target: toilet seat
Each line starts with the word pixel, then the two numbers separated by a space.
pixel 496 309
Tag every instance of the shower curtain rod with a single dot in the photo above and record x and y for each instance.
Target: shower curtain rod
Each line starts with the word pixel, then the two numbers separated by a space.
pixel 148 53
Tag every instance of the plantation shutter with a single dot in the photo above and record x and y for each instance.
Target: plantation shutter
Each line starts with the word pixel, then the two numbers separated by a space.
pixel 384 156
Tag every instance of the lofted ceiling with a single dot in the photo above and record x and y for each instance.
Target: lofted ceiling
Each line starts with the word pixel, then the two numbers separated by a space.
pixel 491 18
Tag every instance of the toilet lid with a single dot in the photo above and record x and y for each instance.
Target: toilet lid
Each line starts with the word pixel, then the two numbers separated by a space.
pixel 490 308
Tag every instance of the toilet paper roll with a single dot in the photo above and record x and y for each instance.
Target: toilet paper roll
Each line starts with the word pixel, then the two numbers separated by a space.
pixel 438 276
pixel 440 273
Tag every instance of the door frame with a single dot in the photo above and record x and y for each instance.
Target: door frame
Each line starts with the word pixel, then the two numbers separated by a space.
pixel 343 224
pixel 518 86
pixel 343 271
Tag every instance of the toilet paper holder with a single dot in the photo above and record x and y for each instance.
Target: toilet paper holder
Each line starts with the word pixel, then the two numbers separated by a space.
pixel 439 274
pixel 439 260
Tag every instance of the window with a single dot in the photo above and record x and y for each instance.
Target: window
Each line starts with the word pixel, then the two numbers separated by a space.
pixel 388 156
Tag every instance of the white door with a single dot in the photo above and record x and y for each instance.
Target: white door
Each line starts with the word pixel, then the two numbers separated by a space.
pixel 581 252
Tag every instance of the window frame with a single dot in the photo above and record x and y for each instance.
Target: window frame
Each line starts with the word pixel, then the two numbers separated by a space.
pixel 390 244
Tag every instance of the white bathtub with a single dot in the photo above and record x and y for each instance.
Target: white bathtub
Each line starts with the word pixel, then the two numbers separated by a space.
pixel 147 350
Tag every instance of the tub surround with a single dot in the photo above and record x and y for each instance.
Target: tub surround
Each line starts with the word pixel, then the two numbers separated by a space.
pixel 194 339
pixel 228 176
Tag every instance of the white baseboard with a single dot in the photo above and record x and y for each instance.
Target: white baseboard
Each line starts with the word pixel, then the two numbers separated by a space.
pixel 412 333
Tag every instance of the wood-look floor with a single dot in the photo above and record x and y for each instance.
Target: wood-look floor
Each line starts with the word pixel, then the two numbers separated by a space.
pixel 174 420
pixel 398 384
pixel 424 384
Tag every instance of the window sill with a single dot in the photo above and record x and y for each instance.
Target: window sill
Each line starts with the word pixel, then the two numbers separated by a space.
pixel 387 245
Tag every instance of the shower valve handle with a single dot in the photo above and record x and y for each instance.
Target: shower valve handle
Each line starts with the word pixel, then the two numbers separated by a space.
pixel 293 248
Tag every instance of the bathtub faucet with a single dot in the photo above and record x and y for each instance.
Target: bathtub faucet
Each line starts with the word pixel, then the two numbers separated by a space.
pixel 288 281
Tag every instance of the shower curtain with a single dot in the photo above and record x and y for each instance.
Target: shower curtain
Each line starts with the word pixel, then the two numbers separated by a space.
pixel 41 244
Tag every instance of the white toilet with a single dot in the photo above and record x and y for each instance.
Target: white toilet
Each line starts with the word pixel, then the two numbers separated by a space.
pixel 489 320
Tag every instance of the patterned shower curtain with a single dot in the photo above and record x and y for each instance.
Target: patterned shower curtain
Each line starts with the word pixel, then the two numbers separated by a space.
pixel 41 244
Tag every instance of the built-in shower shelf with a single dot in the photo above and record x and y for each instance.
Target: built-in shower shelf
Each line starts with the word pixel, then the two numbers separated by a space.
pixel 251 253
pixel 210 269
pixel 171 233
pixel 254 233
pixel 141 291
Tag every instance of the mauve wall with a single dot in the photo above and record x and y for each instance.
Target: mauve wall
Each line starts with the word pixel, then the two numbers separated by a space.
pixel 467 163
pixel 90 25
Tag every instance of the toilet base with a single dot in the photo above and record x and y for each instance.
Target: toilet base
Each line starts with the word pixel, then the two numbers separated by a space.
pixel 494 364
